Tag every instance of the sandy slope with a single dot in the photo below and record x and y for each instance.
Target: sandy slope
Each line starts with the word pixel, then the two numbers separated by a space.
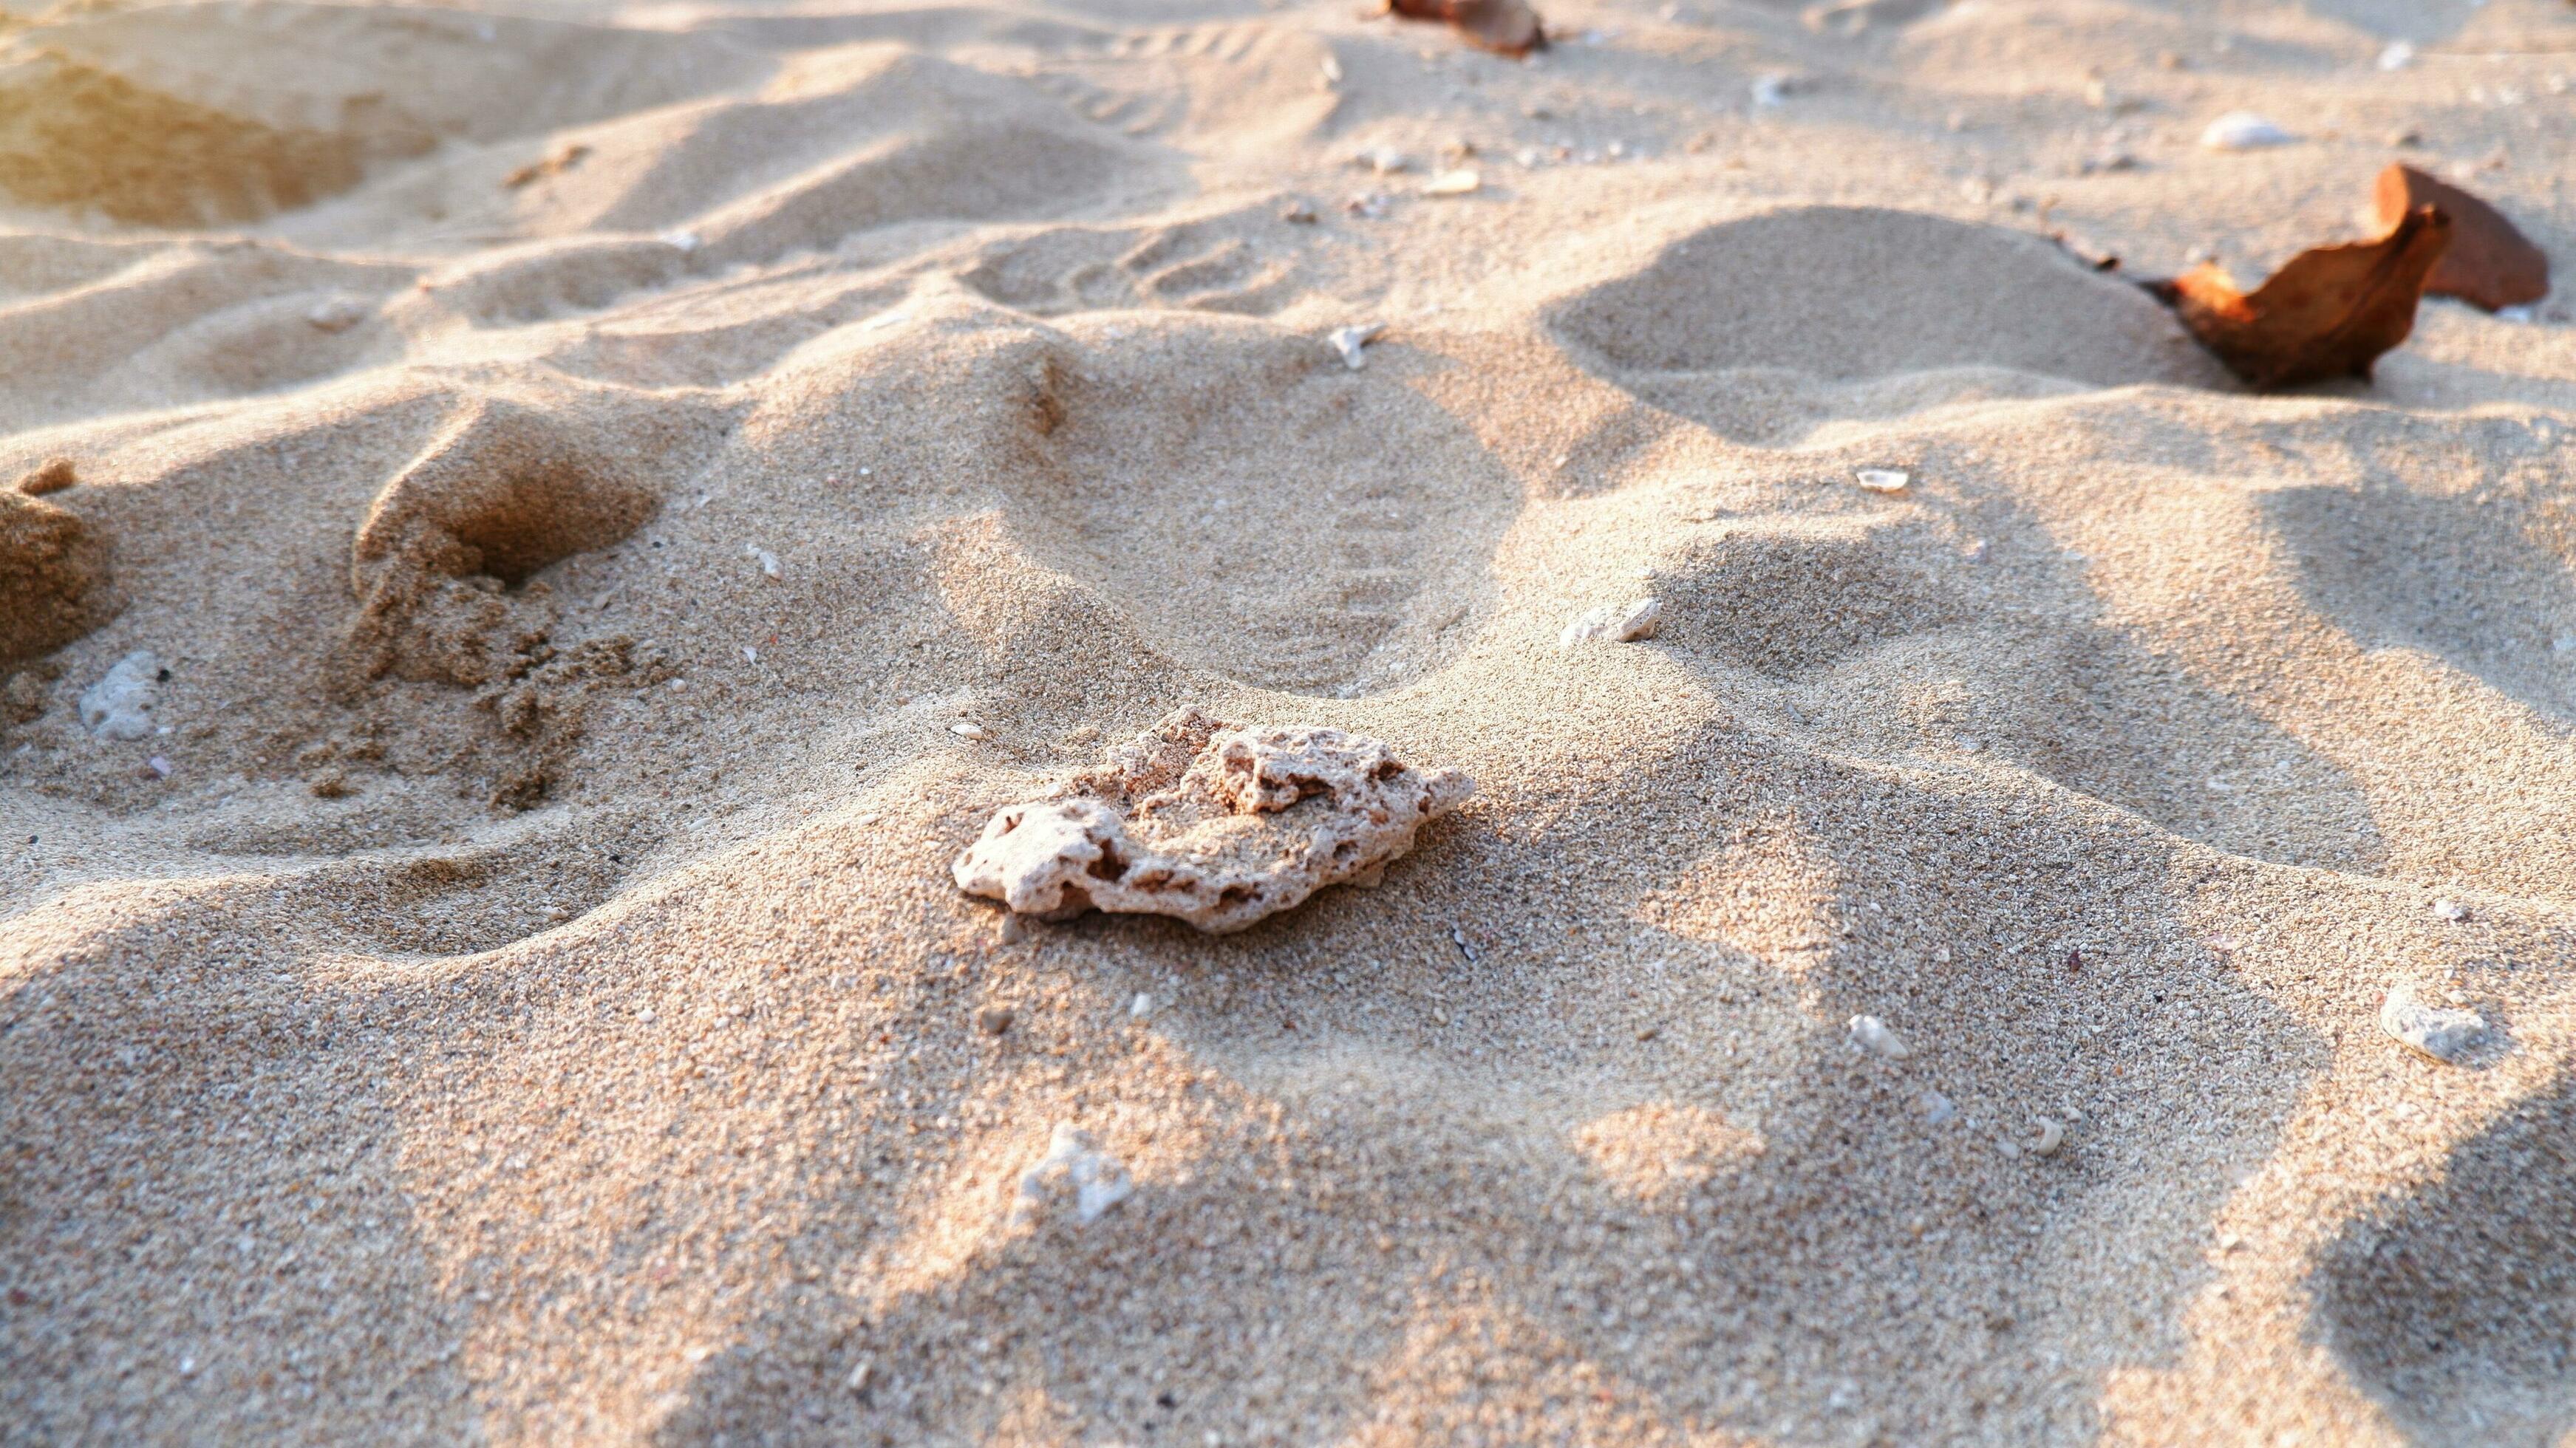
pixel 533 1006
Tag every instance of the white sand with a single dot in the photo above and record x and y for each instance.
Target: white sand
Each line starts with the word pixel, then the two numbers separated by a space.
pixel 522 997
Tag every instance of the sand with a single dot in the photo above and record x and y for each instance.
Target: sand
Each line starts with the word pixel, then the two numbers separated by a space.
pixel 576 465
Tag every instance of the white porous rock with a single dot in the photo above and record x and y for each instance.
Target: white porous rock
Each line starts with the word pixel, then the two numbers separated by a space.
pixel 2439 1034
pixel 1618 623
pixel 120 706
pixel 1074 1172
pixel 1210 823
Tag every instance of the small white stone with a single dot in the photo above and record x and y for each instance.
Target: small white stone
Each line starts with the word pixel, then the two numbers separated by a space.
pixel 1453 183
pixel 2447 1036
pixel 1774 87
pixel 750 655
pixel 120 705
pixel 2051 1136
pixel 1332 70
pixel 1883 480
pixel 1938 1109
pixel 1380 160
pixel 767 560
pixel 160 766
pixel 2398 55
pixel 2451 910
pixel 1872 1035
pixel 1139 1008
pixel 970 730
pixel 862 1377
pixel 1349 340
pixel 2243 131
pixel 1073 1160
pixel 1614 623
pixel 338 314
pixel 2525 314
pixel 682 241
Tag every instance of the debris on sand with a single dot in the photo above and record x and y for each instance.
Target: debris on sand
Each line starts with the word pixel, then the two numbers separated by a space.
pixel 1074 1168
pixel 1209 823
pixel 120 705
pixel 2489 262
pixel 2328 312
pixel 1883 480
pixel 1506 27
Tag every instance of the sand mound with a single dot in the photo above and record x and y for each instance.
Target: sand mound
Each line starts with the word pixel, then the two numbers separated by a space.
pixel 1777 291
pixel 53 577
pixel 837 143
pixel 595 575
pixel 78 137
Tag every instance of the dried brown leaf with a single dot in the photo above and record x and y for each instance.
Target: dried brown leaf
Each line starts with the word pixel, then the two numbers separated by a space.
pixel 2329 312
pixel 1507 27
pixel 2489 264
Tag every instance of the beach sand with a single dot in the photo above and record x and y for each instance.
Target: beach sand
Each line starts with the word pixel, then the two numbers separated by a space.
pixel 572 470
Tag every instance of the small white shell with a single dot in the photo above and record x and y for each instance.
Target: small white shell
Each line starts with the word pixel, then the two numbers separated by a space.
pixel 2451 910
pixel 1883 480
pixel 1453 183
pixel 2243 131
pixel 1872 1035
pixel 1349 340
pixel 2051 1136
pixel 970 731
pixel 2437 1034
pixel 1614 623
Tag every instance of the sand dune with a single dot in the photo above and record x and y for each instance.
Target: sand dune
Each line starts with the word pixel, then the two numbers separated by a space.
pixel 591 508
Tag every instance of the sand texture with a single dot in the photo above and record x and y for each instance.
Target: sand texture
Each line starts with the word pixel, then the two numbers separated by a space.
pixel 590 509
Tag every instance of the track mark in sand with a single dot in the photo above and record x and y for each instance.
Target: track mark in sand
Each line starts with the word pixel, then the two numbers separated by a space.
pixel 447 570
pixel 1273 517
pixel 1216 264
pixel 1789 599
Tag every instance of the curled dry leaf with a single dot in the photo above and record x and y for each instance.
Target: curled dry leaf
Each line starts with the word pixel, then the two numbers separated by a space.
pixel 2329 313
pixel 2489 263
pixel 1506 27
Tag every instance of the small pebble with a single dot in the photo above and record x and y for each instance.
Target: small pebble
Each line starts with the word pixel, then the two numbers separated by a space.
pixel 767 560
pixel 2451 910
pixel 862 1377
pixel 1349 340
pixel 160 766
pixel 970 730
pixel 994 1020
pixel 2243 131
pixel 2447 1036
pixel 1872 1035
pixel 1141 1007
pixel 1453 183
pixel 2051 1136
pixel 1884 480
pixel 1380 160
pixel 2398 55
pixel 1298 212
pixel 1938 1109
pixel 338 314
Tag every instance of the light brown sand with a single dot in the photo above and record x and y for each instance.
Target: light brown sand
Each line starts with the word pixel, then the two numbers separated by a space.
pixel 533 1007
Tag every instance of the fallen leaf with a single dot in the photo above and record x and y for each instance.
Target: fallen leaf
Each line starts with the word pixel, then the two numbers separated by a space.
pixel 1507 27
pixel 2489 264
pixel 2329 313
